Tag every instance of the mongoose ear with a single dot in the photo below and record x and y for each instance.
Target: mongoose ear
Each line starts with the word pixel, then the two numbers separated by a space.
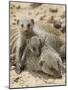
pixel 18 22
pixel 32 20
pixel 42 43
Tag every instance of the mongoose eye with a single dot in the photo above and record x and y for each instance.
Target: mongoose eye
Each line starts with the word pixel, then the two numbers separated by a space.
pixel 28 25
pixel 22 25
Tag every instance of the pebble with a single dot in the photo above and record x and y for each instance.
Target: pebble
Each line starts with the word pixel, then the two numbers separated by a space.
pixel 53 10
pixel 18 7
pixel 35 5
pixel 16 79
pixel 42 17
pixel 13 67
pixel 63 29
pixel 15 19
pixel 13 23
pixel 57 24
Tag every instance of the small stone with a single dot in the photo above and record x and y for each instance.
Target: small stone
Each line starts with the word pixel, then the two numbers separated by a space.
pixel 13 67
pixel 57 24
pixel 18 7
pixel 16 79
pixel 35 5
pixel 42 17
pixel 13 23
pixel 15 19
pixel 53 10
pixel 63 29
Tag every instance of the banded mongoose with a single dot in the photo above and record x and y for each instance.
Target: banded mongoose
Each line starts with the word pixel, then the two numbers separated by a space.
pixel 48 61
pixel 18 39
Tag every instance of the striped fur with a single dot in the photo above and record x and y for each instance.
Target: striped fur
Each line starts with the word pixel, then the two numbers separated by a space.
pixel 12 45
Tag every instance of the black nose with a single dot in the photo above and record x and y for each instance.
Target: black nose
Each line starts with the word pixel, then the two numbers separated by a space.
pixel 21 25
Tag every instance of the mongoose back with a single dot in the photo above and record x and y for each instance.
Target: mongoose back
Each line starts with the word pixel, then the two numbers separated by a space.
pixel 53 39
pixel 51 62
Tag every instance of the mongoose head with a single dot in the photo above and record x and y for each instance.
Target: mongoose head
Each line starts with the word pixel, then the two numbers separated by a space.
pixel 25 25
pixel 51 63
pixel 35 45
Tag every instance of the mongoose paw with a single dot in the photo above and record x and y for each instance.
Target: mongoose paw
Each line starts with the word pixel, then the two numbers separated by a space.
pixel 18 69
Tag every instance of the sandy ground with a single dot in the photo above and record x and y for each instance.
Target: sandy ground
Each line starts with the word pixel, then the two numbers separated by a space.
pixel 32 79
pixel 43 14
